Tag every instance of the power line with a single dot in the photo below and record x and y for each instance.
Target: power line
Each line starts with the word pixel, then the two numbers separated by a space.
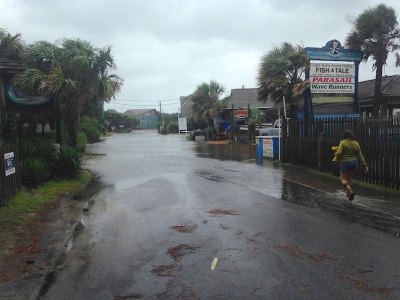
pixel 125 104
pixel 147 105
pixel 137 100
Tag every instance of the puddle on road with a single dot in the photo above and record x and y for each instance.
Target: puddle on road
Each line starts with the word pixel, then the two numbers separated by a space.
pixel 240 152
pixel 294 184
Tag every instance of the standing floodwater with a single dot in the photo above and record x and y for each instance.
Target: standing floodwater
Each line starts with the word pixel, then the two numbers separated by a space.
pixel 178 219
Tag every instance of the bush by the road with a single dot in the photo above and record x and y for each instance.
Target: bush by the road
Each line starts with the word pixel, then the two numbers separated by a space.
pixel 41 160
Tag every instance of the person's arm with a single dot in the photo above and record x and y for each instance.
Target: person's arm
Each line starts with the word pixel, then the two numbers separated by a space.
pixel 361 159
pixel 339 151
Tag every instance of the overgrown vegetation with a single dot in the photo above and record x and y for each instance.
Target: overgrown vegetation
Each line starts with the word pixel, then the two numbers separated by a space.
pixel 41 160
pixel 92 128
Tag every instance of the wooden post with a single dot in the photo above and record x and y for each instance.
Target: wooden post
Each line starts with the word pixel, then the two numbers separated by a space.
pixel 248 124
pixel 2 108
pixel 231 122
pixel 321 143
pixel 57 120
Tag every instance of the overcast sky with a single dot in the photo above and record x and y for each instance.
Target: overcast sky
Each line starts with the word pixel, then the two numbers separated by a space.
pixel 165 48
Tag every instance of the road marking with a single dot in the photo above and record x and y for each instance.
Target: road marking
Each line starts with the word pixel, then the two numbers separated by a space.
pixel 214 263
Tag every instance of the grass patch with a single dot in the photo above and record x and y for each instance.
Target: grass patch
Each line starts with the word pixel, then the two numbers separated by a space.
pixel 28 203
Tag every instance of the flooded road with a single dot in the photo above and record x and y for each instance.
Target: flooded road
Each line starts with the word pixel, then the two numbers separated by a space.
pixel 174 219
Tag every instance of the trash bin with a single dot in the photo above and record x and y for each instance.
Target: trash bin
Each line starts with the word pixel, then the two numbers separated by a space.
pixel 275 147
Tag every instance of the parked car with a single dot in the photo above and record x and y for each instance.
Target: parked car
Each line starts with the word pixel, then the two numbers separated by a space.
pixel 271 131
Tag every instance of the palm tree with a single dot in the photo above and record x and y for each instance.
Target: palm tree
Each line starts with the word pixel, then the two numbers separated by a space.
pixel 11 46
pixel 206 102
pixel 376 33
pixel 74 73
pixel 280 70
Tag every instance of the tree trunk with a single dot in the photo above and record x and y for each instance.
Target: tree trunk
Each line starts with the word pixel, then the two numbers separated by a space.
pixel 72 115
pixel 378 90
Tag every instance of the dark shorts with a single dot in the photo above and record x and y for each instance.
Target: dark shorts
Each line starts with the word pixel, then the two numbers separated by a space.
pixel 348 166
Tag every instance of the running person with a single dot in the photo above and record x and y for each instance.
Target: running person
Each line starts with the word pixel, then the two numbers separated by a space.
pixel 349 156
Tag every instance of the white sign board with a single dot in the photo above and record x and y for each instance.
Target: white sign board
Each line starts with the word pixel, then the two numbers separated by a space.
pixel 9 163
pixel 182 124
pixel 267 148
pixel 332 78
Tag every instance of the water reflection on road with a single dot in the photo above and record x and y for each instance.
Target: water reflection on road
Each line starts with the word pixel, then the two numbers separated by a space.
pixel 304 187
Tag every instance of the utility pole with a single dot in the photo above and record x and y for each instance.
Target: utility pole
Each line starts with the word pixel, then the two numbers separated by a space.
pixel 161 120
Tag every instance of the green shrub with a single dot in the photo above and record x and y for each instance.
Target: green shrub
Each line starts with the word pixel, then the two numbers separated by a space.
pixel 26 149
pixel 190 136
pixel 82 141
pixel 39 148
pixel 67 163
pixel 34 172
pixel 173 127
pixel 91 127
pixel 45 149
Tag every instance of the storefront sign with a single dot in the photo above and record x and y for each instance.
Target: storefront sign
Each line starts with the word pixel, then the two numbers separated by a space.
pixel 240 113
pixel 332 78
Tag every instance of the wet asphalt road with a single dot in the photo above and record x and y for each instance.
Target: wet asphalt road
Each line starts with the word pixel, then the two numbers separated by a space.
pixel 165 208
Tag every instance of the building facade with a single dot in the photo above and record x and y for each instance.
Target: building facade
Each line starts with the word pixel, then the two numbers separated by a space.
pixel 147 118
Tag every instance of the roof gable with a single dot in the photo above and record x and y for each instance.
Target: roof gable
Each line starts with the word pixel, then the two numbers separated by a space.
pixel 390 87
pixel 138 112
pixel 247 96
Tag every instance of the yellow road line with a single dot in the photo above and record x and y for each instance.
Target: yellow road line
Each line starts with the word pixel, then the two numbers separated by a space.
pixel 214 263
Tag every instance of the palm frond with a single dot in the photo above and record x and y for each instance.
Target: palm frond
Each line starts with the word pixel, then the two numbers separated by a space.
pixel 30 79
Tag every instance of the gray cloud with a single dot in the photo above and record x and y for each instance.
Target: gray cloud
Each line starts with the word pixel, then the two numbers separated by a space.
pixel 165 48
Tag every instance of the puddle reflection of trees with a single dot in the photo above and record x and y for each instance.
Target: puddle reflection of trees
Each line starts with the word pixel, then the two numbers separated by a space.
pixel 226 152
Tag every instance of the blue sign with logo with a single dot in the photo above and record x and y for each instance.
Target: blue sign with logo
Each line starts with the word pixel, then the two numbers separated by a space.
pixel 333 80
pixel 333 50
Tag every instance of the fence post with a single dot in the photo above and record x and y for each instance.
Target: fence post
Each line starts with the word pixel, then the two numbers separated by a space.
pixel 284 133
pixel 321 143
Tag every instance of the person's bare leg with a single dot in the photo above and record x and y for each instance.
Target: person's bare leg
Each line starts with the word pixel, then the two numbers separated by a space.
pixel 345 179
pixel 350 185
